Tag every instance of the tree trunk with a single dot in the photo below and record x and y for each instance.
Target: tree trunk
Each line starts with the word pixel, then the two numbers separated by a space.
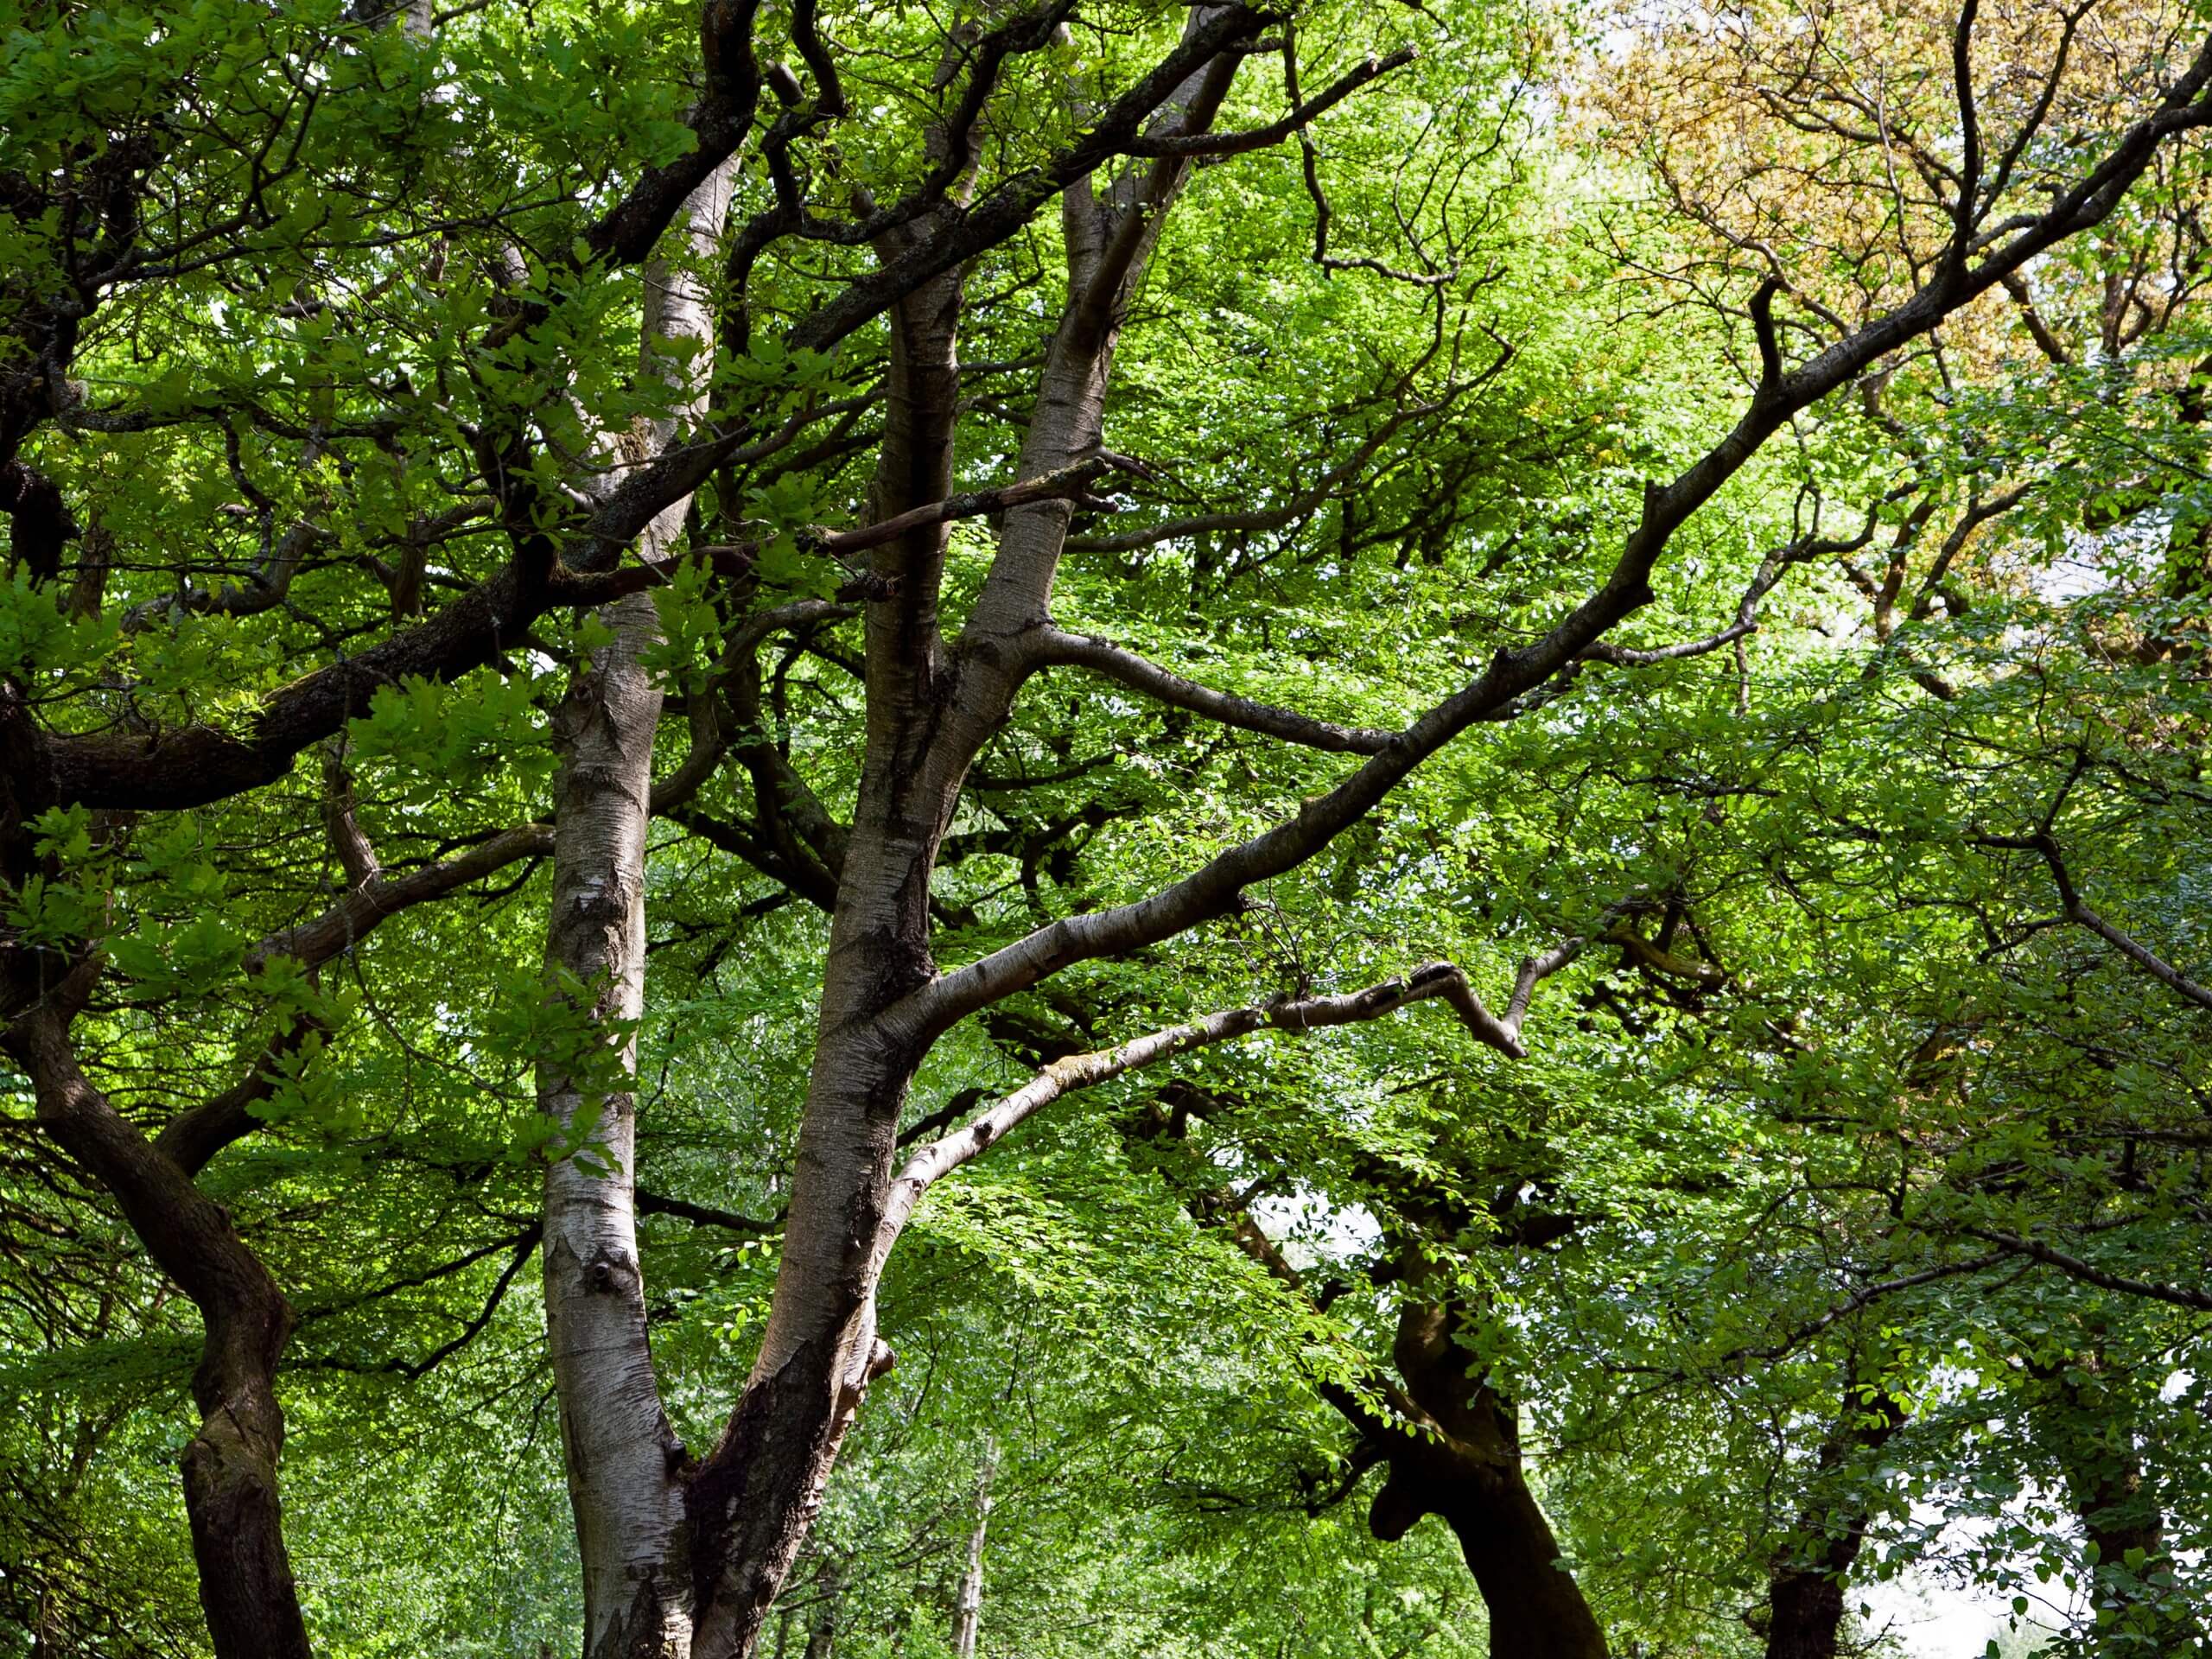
pixel 752 1502
pixel 621 1455
pixel 2092 1433
pixel 246 1587
pixel 622 1458
pixel 755 1498
pixel 1805 1591
pixel 967 1611
pixel 1462 1462
pixel 1468 1471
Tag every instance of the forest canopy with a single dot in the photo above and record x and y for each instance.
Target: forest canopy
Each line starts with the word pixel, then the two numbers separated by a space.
pixel 1366 829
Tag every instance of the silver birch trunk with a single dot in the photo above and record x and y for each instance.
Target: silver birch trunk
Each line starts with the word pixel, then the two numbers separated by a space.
pixel 622 1456
pixel 967 1611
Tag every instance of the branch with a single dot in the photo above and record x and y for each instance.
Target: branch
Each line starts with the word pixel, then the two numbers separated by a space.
pixel 1769 347
pixel 1069 483
pixel 1056 648
pixel 711 736
pixel 2074 1267
pixel 523 1242
pixel 1010 206
pixel 628 231
pixel 1214 888
pixel 1771 571
pixel 1708 976
pixel 192 1138
pixel 1631 656
pixel 1861 1298
pixel 700 1215
pixel 1963 211
pixel 1301 502
pixel 2071 902
pixel 1237 144
pixel 1064 1077
pixel 346 923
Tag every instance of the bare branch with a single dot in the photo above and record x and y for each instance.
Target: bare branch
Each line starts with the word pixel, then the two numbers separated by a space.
pixel 1069 483
pixel 1056 648
pixel 2077 911
pixel 351 919
pixel 1064 1077
pixel 700 1215
pixel 1213 888
pixel 2074 1267
pixel 1236 143
pixel 1963 211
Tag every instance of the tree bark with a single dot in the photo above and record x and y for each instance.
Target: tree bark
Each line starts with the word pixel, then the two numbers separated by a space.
pixel 246 1587
pixel 968 1609
pixel 1805 1589
pixel 1468 1471
pixel 622 1458
pixel 755 1498
pixel 1456 1456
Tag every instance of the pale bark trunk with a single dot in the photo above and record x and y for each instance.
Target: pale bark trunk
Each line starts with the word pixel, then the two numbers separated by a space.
pixel 967 1611
pixel 622 1458
pixel 753 1502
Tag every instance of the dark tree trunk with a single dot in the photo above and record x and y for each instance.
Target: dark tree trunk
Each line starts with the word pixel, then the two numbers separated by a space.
pixel 1806 1588
pixel 1462 1460
pixel 1468 1472
pixel 2091 1427
pixel 230 1465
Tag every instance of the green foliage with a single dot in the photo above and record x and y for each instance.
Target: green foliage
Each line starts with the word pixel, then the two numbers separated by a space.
pixel 1839 1186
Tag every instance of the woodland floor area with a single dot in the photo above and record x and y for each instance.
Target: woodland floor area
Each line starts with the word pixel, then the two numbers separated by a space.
pixel 1105 830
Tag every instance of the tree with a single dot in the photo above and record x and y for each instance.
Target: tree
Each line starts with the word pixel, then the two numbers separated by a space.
pixel 375 272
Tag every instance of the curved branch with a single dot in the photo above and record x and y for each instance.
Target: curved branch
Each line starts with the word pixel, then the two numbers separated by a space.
pixel 1064 1077
pixel 2076 911
pixel 341 926
pixel 1213 888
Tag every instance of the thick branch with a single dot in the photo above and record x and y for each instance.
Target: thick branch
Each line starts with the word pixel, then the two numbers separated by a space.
pixel 2074 1267
pixel 1238 144
pixel 1214 888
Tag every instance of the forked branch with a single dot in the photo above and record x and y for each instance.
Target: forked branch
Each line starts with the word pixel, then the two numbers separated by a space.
pixel 2077 911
